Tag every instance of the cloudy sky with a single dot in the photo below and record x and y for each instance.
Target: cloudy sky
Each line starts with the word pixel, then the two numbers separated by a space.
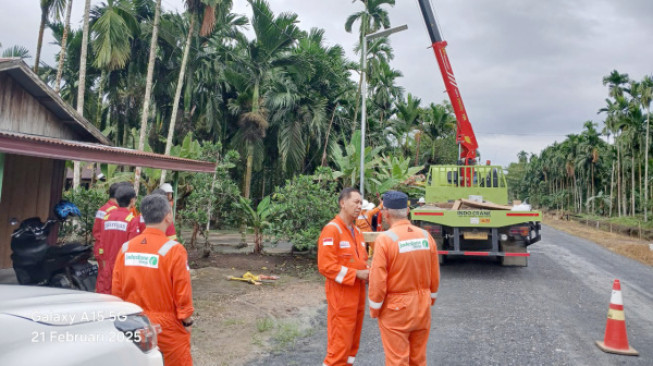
pixel 529 71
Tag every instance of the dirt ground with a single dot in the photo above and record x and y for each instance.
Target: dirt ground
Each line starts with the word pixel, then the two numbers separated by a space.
pixel 621 244
pixel 237 322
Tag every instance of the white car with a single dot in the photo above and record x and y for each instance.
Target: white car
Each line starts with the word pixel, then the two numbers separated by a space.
pixel 52 326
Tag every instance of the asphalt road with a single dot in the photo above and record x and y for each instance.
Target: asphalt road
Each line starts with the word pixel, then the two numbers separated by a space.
pixel 549 313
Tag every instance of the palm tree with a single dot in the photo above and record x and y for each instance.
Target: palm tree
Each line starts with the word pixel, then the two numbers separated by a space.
pixel 194 9
pixel 148 88
pixel 64 39
pixel 81 85
pixel 16 52
pixel 257 71
pixel 646 94
pixel 371 19
pixel 48 8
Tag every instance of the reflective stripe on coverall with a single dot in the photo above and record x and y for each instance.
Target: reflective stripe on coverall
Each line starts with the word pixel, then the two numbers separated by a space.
pixel 119 225
pixel 97 223
pixel 404 282
pixel 339 255
pixel 152 272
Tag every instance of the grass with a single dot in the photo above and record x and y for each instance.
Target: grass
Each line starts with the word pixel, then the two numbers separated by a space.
pixel 620 244
pixel 286 333
pixel 264 324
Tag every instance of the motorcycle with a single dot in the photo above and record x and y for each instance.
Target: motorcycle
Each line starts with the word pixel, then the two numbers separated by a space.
pixel 37 263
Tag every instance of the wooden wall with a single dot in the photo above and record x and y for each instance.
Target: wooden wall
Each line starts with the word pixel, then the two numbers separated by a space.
pixel 31 187
pixel 21 112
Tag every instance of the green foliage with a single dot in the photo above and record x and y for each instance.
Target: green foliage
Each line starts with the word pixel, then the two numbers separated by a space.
pixel 88 201
pixel 255 219
pixel 300 209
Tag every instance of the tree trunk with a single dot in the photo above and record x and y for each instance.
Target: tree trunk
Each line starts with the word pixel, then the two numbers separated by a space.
pixel 248 170
pixel 364 26
pixel 180 84
pixel 64 40
pixel 326 138
pixel 81 85
pixel 612 189
pixel 148 90
pixel 618 179
pixel 645 205
pixel 632 184
pixel 39 43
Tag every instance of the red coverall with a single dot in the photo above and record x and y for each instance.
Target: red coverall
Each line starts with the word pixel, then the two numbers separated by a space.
pixel 404 282
pixel 171 232
pixel 97 224
pixel 341 252
pixel 119 226
pixel 152 272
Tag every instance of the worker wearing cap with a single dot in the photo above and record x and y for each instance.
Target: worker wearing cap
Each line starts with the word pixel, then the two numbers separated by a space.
pixel 342 260
pixel 118 226
pixel 404 281
pixel 167 188
pixel 111 205
pixel 421 202
pixel 171 231
pixel 152 272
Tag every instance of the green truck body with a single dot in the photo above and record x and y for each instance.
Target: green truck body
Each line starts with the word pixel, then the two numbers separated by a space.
pixel 485 230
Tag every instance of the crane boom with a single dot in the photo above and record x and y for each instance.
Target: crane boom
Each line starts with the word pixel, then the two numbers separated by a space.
pixel 464 133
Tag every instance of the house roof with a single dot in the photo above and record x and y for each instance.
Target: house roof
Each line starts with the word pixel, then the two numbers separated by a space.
pixel 27 79
pixel 93 147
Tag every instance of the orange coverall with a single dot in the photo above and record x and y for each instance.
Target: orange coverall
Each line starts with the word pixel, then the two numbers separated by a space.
pixel 404 282
pixel 119 225
pixel 97 224
pixel 171 232
pixel 364 221
pixel 152 272
pixel 341 252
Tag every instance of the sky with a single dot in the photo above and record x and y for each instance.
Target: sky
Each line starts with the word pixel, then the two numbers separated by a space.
pixel 529 71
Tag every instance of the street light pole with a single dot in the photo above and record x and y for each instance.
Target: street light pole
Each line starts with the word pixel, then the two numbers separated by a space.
pixel 383 33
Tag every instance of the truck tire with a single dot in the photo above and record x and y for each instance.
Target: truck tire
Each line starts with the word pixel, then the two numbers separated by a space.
pixel 517 247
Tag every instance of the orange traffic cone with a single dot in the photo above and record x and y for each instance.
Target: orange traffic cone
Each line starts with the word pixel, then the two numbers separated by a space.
pixel 616 339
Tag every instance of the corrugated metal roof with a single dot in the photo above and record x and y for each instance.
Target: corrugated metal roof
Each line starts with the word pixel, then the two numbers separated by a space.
pixel 52 148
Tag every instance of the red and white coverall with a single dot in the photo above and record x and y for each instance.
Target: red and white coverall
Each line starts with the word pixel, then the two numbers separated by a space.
pixel 404 281
pixel 152 272
pixel 97 223
pixel 341 251
pixel 119 225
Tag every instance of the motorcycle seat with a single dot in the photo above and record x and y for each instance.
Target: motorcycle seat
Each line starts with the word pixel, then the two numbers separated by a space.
pixel 66 249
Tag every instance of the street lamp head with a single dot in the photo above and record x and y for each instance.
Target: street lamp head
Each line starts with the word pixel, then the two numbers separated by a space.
pixel 387 32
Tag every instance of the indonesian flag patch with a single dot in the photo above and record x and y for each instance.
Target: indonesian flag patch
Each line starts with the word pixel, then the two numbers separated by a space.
pixel 327 241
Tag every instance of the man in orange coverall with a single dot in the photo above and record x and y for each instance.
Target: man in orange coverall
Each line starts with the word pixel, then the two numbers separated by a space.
pixel 118 226
pixel 111 205
pixel 152 272
pixel 364 220
pixel 342 260
pixel 171 232
pixel 404 281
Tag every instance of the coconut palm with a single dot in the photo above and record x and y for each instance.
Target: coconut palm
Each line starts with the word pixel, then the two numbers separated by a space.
pixel 64 39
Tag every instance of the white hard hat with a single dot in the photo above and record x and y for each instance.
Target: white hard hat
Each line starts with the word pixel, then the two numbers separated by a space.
pixel 421 200
pixel 364 205
pixel 370 206
pixel 166 187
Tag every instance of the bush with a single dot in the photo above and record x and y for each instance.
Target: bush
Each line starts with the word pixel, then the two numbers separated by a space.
pixel 300 209
pixel 88 201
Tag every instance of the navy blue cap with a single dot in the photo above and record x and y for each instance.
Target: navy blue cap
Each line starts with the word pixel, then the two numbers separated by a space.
pixel 395 200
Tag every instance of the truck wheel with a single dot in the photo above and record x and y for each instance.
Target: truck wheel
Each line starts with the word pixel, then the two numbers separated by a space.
pixel 514 261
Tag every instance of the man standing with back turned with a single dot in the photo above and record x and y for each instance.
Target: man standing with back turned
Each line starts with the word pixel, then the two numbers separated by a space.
pixel 404 282
pixel 152 272
pixel 342 259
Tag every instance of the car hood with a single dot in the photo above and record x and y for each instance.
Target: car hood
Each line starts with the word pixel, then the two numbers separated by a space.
pixel 56 306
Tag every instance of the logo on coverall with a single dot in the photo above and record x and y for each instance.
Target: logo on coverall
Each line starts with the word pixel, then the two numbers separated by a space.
pixel 412 245
pixel 142 260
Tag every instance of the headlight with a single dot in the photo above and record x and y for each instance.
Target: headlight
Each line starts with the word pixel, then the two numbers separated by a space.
pixel 138 329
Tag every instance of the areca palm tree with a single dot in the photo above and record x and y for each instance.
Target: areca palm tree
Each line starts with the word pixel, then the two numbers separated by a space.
pixel 259 69
pixel 48 8
pixel 148 88
pixel 195 9
pixel 371 19
pixel 81 85
pixel 64 40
